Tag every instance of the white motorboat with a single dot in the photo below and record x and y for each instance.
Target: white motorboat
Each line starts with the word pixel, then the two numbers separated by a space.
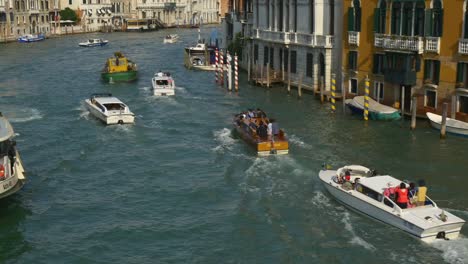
pixel 31 38
pixel 171 38
pixel 109 109
pixel 12 175
pixel 163 84
pixel 366 195
pixel 93 43
pixel 377 111
pixel 452 125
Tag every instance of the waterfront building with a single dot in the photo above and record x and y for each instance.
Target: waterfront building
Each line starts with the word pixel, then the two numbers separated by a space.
pixel 168 13
pixel 205 11
pixel 96 14
pixel 408 48
pixel 7 29
pixel 296 38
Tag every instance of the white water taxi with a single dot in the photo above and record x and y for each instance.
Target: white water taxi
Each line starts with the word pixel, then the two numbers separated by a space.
pixel 93 43
pixel 452 125
pixel 163 84
pixel 12 175
pixel 109 109
pixel 365 194
pixel 173 38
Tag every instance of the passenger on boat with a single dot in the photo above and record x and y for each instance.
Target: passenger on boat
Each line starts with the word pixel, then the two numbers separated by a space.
pixel 262 130
pixel 260 113
pixel 402 196
pixel 250 113
pixel 347 185
pixel 275 127
pixel 160 73
pixel 421 193
pixel 412 195
pixel 390 192
pixel 347 175
pixel 270 131
pixel 357 186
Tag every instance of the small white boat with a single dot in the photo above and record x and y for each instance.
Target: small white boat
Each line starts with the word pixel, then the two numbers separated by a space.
pixel 377 111
pixel 12 175
pixel 109 109
pixel 31 38
pixel 366 195
pixel 94 43
pixel 163 84
pixel 452 125
pixel 171 38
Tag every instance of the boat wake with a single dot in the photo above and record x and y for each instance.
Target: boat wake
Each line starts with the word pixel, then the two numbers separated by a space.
pixel 84 113
pixel 224 139
pixel 355 240
pixel 453 251
pixel 298 142
pixel 23 115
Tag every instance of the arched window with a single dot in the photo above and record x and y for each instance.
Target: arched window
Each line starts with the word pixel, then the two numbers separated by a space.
pixel 408 17
pixel 380 17
pixel 354 17
pixel 396 18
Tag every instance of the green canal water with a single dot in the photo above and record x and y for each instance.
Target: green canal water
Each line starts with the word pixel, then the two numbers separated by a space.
pixel 178 187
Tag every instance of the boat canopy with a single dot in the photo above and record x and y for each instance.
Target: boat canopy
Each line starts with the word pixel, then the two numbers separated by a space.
pixel 380 183
pixel 6 130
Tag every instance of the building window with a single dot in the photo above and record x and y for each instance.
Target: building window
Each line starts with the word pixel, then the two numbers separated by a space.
pixel 463 104
pixel 354 17
pixel 265 55
pixel 430 98
pixel 352 60
pixel 379 91
pixel 378 64
pixel 310 65
pixel 380 17
pixel 436 15
pixel 272 56
pixel 396 18
pixel 462 75
pixel 431 71
pixel 353 86
pixel 70 2
pixel 293 61
pixel 312 16
pixel 256 53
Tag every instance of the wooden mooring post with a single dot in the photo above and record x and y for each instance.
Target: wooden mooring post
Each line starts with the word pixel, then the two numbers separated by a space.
pixel 366 99
pixel 454 107
pixel 299 87
pixel 261 75
pixel 248 69
pixel 443 125
pixel 268 75
pixel 414 106
pixel 402 103
pixel 322 87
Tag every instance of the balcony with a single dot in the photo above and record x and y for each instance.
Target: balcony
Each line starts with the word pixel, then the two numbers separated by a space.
pixel 353 38
pixel 432 44
pixel 399 43
pixel 463 46
pixel 286 38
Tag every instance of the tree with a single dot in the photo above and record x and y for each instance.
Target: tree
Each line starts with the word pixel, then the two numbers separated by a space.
pixel 237 45
pixel 68 14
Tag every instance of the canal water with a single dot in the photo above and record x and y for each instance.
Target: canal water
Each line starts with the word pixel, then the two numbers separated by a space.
pixel 178 187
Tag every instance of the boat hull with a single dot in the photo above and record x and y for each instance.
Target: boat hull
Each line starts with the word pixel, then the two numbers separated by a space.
pixel 357 110
pixel 264 148
pixel 436 123
pixel 28 40
pixel 119 76
pixel 15 182
pixel 92 45
pixel 116 119
pixel 391 217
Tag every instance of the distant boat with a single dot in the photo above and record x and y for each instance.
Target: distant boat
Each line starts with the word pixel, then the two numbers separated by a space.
pixel 119 69
pixel 94 43
pixel 377 111
pixel 31 38
pixel 452 125
pixel 163 84
pixel 12 173
pixel 171 38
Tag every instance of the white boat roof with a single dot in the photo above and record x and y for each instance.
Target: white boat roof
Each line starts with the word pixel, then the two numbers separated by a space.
pixel 107 100
pixel 6 130
pixel 380 183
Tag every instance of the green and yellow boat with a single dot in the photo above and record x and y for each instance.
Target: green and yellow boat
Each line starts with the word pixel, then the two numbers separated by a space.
pixel 119 69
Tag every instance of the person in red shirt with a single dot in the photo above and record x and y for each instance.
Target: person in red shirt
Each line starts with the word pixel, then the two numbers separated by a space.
pixel 402 196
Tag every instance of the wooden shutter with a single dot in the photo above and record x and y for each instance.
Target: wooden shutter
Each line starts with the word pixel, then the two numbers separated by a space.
pixel 436 72
pixel 459 72
pixel 427 74
pixel 377 20
pixel 441 22
pixel 428 23
pixel 351 26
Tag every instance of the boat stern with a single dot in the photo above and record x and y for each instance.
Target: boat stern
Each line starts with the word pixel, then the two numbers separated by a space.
pixel 273 148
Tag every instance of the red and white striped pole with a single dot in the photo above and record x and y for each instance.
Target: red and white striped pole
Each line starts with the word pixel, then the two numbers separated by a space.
pixel 236 73
pixel 216 65
pixel 229 70
pixel 221 63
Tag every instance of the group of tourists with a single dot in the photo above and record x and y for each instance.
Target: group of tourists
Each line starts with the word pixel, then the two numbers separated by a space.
pixel 259 124
pixel 407 197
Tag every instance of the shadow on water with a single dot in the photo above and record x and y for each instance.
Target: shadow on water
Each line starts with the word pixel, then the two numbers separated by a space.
pixel 12 216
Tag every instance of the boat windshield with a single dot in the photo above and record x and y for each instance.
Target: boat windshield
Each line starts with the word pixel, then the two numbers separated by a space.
pixel 5 146
pixel 114 106
pixel 162 82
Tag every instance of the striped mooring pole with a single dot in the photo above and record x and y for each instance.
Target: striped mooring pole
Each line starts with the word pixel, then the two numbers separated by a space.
pixel 221 68
pixel 216 65
pixel 333 93
pixel 366 99
pixel 236 73
pixel 229 70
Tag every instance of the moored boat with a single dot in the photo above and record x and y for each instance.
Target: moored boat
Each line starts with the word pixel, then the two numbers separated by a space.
pixel 163 84
pixel 109 109
pixel 453 126
pixel 119 69
pixel 31 38
pixel 254 129
pixel 171 38
pixel 12 175
pixel 365 193
pixel 377 111
pixel 94 43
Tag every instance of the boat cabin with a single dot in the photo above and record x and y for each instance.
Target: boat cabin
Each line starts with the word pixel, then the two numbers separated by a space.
pixel 119 63
pixel 107 103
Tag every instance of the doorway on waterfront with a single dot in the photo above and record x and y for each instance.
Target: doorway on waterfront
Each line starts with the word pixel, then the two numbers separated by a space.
pixel 406 100
pixel 321 69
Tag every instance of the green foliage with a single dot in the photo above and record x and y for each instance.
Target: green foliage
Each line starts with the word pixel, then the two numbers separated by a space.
pixel 68 14
pixel 237 45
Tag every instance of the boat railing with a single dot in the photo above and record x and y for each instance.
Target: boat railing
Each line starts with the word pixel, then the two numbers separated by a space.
pixel 431 201
pixel 394 205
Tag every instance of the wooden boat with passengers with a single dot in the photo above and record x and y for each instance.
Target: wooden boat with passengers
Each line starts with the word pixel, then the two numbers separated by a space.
pixel 252 126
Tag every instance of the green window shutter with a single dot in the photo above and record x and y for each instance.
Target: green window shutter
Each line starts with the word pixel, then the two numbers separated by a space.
pixel 418 64
pixel 427 74
pixel 436 72
pixel 465 35
pixel 351 19
pixel 377 20
pixel 428 23
pixel 376 62
pixel 441 23
pixel 459 72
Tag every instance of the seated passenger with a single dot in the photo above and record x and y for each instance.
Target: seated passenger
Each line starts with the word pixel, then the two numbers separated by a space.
pixel 275 127
pixel 390 192
pixel 421 194
pixel 402 196
pixel 347 175
pixel 262 131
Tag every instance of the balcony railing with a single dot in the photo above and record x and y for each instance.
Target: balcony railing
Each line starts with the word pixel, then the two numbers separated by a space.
pixel 295 38
pixel 463 46
pixel 432 44
pixel 353 38
pixel 402 43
